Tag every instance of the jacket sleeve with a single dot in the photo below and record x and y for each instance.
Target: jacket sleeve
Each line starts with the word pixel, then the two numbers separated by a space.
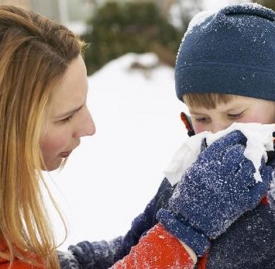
pixel 103 254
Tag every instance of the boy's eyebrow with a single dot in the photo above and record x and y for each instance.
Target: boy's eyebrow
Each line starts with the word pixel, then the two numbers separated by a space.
pixel 236 106
pixel 194 112
pixel 68 113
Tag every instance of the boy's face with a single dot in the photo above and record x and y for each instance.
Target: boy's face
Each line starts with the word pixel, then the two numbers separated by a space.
pixel 239 109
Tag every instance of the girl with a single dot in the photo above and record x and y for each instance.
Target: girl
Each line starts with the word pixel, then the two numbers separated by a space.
pixel 43 115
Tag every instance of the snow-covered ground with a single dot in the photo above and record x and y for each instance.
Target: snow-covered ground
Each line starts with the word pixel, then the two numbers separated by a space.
pixel 111 177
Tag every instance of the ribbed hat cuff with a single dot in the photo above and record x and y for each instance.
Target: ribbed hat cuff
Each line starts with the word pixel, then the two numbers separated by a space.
pixel 226 79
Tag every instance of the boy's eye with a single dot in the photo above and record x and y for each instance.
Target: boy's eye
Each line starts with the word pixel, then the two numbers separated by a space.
pixel 235 116
pixel 202 119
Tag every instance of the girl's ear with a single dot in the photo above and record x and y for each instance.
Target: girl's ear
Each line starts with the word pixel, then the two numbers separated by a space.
pixel 188 124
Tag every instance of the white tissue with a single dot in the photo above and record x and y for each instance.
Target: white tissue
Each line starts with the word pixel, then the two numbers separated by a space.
pixel 259 141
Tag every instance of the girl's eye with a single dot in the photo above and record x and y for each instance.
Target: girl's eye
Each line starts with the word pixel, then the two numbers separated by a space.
pixel 67 119
pixel 235 116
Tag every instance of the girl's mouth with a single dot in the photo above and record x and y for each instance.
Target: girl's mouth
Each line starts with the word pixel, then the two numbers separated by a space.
pixel 65 154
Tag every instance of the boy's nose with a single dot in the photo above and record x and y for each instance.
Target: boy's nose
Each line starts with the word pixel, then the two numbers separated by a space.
pixel 219 126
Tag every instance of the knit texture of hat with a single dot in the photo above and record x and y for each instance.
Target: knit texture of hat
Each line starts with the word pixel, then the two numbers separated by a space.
pixel 229 52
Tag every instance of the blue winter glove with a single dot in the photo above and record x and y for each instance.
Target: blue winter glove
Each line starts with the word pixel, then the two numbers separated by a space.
pixel 217 189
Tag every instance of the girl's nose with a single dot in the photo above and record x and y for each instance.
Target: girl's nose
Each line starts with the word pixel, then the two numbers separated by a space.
pixel 90 128
pixel 86 126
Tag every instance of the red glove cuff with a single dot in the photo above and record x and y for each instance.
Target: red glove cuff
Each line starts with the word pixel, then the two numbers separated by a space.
pixel 158 249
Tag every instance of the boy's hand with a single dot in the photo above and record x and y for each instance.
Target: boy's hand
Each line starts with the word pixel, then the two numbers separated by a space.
pixel 217 189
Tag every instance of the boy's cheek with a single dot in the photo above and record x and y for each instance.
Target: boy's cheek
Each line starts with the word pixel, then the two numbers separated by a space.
pixel 198 128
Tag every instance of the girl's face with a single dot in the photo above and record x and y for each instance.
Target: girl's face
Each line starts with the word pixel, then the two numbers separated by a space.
pixel 239 109
pixel 68 118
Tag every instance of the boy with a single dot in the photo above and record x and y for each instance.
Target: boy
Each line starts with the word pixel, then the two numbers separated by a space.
pixel 225 73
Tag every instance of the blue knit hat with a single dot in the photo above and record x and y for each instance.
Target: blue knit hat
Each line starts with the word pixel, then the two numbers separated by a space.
pixel 229 52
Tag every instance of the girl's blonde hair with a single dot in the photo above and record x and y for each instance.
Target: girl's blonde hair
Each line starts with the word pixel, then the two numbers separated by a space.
pixel 34 54
pixel 206 100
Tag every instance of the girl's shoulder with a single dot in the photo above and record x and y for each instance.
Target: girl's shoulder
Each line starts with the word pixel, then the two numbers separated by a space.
pixel 17 264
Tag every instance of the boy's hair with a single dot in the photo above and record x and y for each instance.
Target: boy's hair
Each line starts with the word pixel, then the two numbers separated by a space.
pixel 207 100
pixel 35 53
pixel 231 51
